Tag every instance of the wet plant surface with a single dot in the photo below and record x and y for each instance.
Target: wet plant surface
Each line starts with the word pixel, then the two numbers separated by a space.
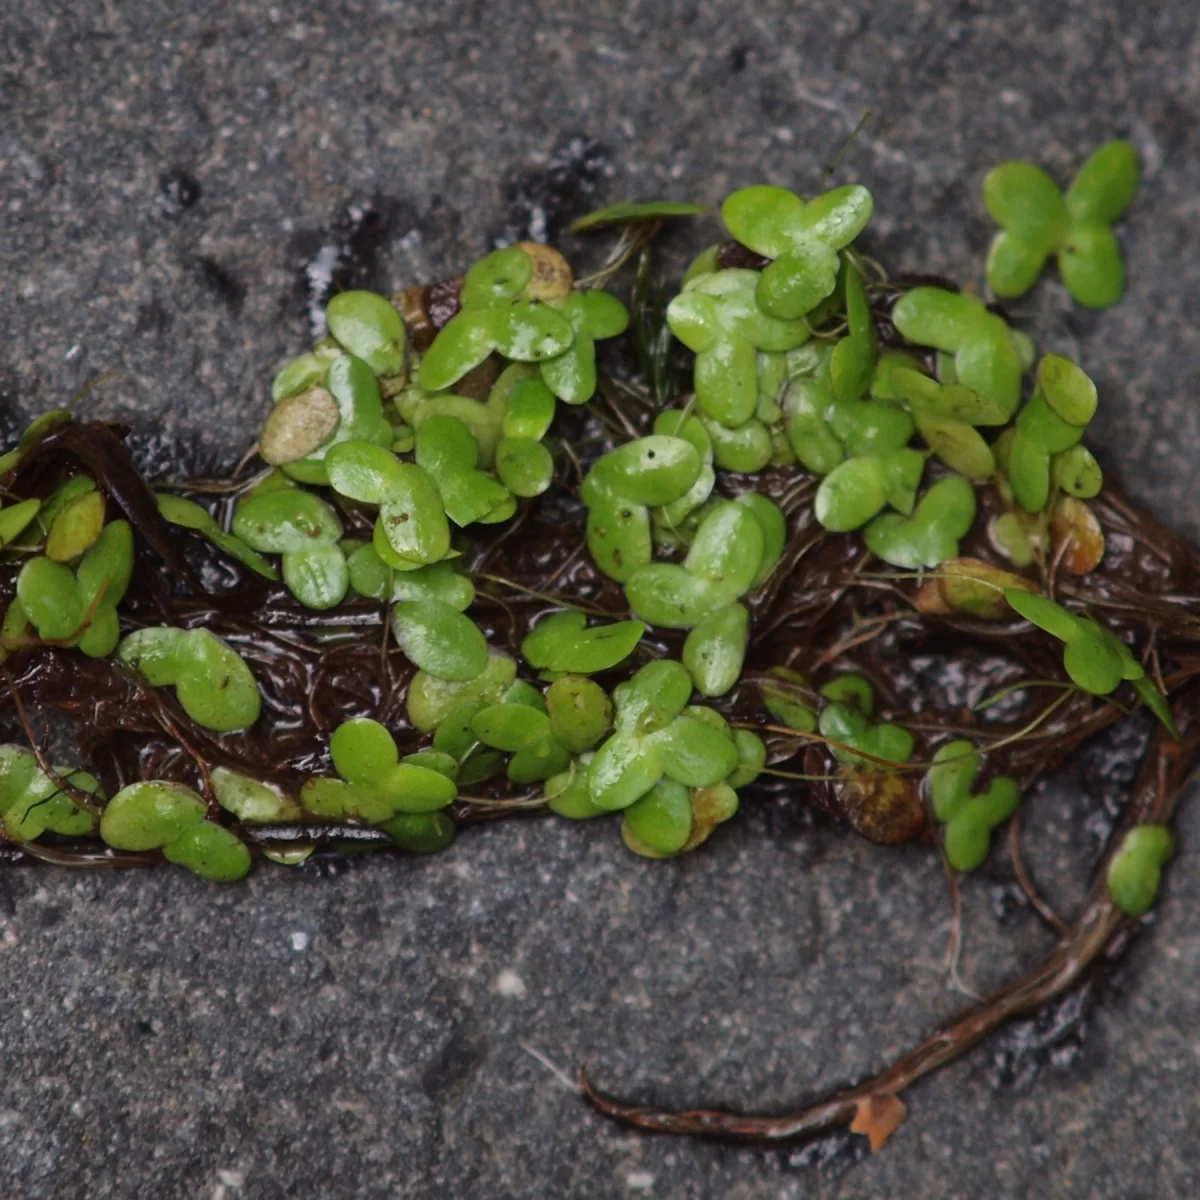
pixel 464 957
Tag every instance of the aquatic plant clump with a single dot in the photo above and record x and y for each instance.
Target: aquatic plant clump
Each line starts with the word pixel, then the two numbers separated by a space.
pixel 482 567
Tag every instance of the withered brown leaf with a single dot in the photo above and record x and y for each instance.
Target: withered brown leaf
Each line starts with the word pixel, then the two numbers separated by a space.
pixel 878 1116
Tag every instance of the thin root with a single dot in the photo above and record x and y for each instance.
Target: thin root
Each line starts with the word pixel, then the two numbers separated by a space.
pixel 1040 906
pixel 1160 782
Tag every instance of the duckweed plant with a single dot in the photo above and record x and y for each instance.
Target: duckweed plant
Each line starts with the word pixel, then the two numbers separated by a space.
pixel 1037 220
pixel 485 570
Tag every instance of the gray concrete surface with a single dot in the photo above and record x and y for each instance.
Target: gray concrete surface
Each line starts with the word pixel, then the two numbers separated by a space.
pixel 364 1035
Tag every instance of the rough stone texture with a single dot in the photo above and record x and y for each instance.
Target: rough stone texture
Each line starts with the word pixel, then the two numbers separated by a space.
pixel 365 1035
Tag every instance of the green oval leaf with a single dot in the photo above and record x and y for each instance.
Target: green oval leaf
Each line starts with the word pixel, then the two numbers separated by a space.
pixel 290 519
pixel 440 640
pixel 562 642
pixel 149 815
pixel 369 326
pixel 660 821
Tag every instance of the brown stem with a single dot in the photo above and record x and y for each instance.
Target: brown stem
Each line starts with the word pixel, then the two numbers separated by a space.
pixel 1040 906
pixel 77 795
pixel 106 457
pixel 202 768
pixel 1156 793
pixel 92 855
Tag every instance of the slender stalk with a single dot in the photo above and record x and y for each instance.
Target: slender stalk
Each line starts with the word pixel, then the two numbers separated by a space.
pixel 1164 772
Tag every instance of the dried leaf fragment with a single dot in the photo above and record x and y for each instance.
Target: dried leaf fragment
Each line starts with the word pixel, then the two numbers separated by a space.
pixel 878 1117
pixel 426 308
pixel 882 806
pixel 297 426
pixel 552 278
pixel 972 587
pixel 1073 521
pixel 928 599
